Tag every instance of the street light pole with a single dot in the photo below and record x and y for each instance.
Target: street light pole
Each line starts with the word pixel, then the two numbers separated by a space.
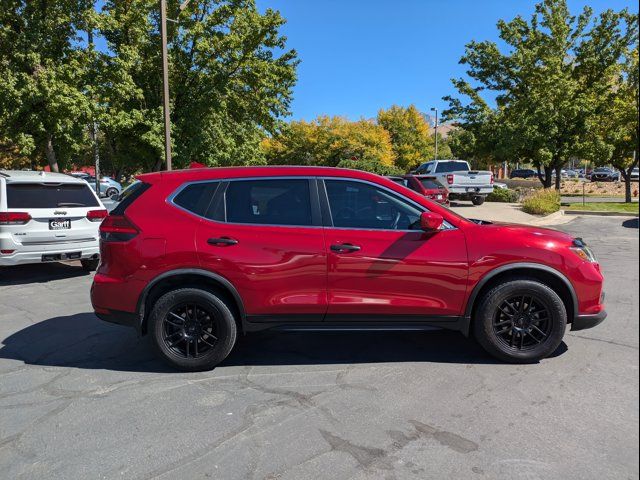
pixel 436 132
pixel 165 84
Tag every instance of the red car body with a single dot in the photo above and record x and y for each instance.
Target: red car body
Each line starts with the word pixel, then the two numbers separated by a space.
pixel 295 275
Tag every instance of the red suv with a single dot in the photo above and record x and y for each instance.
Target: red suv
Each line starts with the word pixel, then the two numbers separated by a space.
pixel 196 257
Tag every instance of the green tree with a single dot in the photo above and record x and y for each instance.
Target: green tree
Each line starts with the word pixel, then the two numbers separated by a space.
pixel 327 141
pixel 543 83
pixel 231 79
pixel 412 141
pixel 614 130
pixel 44 108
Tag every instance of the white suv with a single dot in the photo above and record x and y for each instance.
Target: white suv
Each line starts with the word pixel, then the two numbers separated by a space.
pixel 48 217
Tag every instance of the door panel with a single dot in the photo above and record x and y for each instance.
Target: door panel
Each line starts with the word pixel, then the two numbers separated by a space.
pixel 277 269
pixel 397 273
pixel 380 264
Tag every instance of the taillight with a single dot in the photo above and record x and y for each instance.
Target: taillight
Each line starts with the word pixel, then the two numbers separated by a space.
pixel 14 218
pixel 97 215
pixel 492 179
pixel 450 179
pixel 6 252
pixel 117 228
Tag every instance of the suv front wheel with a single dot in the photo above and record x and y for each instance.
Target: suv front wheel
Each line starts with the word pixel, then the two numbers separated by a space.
pixel 520 321
pixel 192 329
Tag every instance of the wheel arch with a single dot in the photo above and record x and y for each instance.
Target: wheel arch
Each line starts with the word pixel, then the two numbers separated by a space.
pixel 193 277
pixel 545 274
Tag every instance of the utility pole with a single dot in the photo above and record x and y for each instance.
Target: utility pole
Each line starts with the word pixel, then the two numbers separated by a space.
pixel 436 132
pixel 165 84
pixel 94 127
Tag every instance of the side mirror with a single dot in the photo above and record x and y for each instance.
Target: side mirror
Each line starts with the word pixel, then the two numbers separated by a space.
pixel 430 222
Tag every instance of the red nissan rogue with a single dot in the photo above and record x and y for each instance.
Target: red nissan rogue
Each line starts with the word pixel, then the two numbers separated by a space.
pixel 196 257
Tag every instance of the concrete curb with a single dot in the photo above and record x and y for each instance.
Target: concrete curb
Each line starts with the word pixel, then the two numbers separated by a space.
pixel 598 214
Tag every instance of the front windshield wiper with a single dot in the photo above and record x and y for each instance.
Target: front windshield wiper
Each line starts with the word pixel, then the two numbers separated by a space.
pixel 71 204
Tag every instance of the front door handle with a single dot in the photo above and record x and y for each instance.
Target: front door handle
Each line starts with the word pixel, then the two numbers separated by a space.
pixel 344 247
pixel 222 241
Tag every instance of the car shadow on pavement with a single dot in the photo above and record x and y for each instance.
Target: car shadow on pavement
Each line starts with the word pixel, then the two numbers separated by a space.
pixel 39 273
pixel 83 341
pixel 632 223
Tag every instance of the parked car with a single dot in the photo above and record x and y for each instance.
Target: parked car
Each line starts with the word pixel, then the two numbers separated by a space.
pixel 424 185
pixel 108 186
pixel 194 258
pixel 572 174
pixel 47 217
pixel 635 175
pixel 523 173
pixel 605 174
pixel 461 182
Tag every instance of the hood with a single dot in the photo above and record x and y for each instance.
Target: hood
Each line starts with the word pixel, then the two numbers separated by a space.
pixel 519 230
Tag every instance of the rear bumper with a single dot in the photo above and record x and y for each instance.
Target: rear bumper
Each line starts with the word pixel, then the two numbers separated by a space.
pixel 470 190
pixel 583 322
pixel 126 319
pixel 35 256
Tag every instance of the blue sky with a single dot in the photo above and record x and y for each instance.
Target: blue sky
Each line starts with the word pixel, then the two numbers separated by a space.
pixel 361 55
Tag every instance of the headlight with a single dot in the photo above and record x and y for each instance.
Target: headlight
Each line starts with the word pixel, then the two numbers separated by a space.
pixel 580 248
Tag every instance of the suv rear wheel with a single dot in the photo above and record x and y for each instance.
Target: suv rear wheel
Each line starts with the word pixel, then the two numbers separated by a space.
pixel 520 321
pixel 192 329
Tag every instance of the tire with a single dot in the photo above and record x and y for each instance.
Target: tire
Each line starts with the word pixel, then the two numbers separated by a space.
pixel 477 200
pixel 212 329
pixel 89 264
pixel 520 342
pixel 110 191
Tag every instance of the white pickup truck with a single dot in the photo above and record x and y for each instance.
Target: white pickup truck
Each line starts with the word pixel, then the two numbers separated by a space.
pixel 461 182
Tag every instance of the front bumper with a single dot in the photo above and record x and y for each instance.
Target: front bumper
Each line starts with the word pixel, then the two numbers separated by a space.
pixel 583 322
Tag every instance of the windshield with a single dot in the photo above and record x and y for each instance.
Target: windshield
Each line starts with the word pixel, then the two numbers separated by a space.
pixel 445 167
pixel 42 195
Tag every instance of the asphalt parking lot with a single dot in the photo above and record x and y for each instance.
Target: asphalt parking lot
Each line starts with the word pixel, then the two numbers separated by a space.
pixel 83 399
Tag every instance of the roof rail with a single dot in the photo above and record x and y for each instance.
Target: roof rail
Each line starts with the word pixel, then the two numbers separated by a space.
pixel 6 175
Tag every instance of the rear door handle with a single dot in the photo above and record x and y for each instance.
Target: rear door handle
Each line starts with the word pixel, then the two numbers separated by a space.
pixel 344 247
pixel 222 241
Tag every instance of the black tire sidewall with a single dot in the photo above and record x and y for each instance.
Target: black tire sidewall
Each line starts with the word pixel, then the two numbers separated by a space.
pixel 226 329
pixel 477 200
pixel 90 264
pixel 483 321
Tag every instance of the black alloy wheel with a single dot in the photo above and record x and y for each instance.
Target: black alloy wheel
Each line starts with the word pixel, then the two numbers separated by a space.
pixel 189 330
pixel 192 329
pixel 522 322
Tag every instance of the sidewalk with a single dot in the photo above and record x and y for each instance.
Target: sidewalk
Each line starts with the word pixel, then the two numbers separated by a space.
pixel 506 212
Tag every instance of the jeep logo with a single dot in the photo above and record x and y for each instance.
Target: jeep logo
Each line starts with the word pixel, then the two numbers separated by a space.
pixel 59 212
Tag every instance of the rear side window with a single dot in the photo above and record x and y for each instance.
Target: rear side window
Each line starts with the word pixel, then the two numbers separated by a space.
pixel 52 195
pixel 269 202
pixel 129 195
pixel 196 197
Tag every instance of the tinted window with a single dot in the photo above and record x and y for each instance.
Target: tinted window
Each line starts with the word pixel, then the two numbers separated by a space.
pixel 269 202
pixel 425 167
pixel 361 205
pixel 430 184
pixel 196 197
pixel 39 195
pixel 129 195
pixel 446 167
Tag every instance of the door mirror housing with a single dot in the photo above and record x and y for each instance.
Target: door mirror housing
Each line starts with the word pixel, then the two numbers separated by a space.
pixel 430 222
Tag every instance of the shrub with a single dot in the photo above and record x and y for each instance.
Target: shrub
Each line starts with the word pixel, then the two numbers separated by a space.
pixel 543 202
pixel 371 166
pixel 504 195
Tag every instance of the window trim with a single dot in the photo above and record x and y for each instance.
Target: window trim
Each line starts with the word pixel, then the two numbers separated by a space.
pixel 326 207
